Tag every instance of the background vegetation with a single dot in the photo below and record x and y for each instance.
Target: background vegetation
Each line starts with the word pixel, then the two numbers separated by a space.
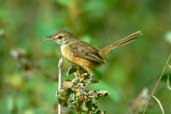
pixel 28 63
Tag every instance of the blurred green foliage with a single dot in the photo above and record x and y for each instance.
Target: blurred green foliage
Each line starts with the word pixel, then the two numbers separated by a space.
pixel 28 86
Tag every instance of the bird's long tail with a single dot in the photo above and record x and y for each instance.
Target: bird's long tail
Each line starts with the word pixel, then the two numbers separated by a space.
pixel 104 51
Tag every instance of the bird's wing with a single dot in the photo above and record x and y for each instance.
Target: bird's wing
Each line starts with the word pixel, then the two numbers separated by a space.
pixel 86 51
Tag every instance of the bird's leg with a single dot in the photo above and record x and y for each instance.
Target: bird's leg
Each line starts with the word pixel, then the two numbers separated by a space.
pixel 90 74
pixel 79 71
pixel 90 79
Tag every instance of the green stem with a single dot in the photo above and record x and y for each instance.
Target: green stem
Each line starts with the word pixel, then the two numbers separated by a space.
pixel 158 81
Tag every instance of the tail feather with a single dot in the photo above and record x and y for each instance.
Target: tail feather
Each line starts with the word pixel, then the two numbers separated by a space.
pixel 104 51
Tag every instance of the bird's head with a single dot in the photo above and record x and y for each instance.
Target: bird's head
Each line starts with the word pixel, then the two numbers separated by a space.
pixel 61 37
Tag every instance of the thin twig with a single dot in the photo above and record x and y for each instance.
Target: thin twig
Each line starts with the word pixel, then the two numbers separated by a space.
pixel 59 82
pixel 158 81
pixel 162 73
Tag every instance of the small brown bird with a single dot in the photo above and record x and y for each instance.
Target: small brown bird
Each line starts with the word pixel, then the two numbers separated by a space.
pixel 84 54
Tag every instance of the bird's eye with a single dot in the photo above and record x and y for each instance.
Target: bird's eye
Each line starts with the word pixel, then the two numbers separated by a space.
pixel 60 37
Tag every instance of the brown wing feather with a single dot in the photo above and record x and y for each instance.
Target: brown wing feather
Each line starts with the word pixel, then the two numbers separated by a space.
pixel 86 51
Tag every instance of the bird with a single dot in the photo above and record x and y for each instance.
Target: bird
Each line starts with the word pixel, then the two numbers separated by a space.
pixel 83 54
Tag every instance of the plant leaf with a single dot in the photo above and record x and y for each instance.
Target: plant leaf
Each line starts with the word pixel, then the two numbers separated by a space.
pixel 159 103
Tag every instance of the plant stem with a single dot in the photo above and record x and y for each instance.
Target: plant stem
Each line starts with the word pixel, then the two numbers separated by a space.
pixel 59 82
pixel 158 81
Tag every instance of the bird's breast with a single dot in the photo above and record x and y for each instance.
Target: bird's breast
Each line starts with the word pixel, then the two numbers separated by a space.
pixel 68 54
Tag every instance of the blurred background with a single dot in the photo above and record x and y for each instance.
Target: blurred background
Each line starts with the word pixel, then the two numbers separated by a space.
pixel 28 62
